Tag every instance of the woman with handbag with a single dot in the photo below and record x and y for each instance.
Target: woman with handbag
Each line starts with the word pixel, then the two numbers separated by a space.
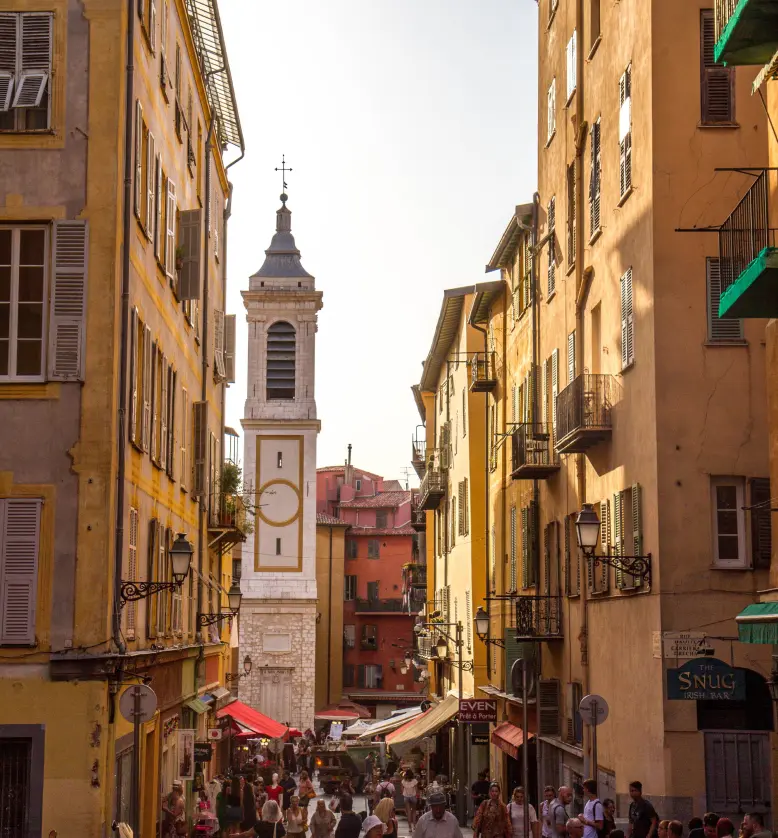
pixel 492 819
pixel 270 826
pixel 305 791
pixel 175 811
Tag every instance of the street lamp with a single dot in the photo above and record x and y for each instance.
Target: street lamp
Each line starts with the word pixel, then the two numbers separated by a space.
pixel 441 649
pixel 481 623
pixel 181 553
pixel 234 596
pixel 587 530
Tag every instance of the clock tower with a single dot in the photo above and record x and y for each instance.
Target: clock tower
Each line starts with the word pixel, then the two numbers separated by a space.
pixel 278 581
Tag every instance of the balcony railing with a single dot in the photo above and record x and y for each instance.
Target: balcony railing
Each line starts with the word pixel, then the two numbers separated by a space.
pixel 746 250
pixel 533 454
pixel 417 575
pixel 583 411
pixel 227 516
pixel 424 648
pixel 746 31
pixel 433 484
pixel 378 606
pixel 419 519
pixel 483 376
pixel 538 618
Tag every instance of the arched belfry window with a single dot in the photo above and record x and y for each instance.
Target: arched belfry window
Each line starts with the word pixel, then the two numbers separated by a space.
pixel 280 361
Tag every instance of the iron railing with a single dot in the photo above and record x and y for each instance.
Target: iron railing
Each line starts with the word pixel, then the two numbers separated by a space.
pixel 364 606
pixel 417 574
pixel 226 511
pixel 724 9
pixel 532 445
pixel 433 483
pixel 482 369
pixel 746 233
pixel 538 617
pixel 419 449
pixel 585 404
pixel 424 648
pixel 15 780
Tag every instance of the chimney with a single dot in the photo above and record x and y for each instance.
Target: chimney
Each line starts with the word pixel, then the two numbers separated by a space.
pixel 349 453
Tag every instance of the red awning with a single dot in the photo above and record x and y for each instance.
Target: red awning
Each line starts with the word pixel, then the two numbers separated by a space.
pixel 254 720
pixel 336 715
pixel 509 738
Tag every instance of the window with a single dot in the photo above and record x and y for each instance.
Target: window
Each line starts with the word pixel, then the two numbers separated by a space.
pixel 280 459
pixel 349 637
pixel 370 638
pixel 21 767
pixel 281 361
pixel 373 676
pixel 464 513
pixel 170 231
pixel 625 132
pixel 551 103
pixel 348 674
pixel 358 486
pixel 594 23
pixel 349 588
pixel 220 371
pixel 717 83
pixel 528 545
pixel 25 71
pixel 514 576
pixel 141 149
pixel 571 222
pixel 729 542
pixel 351 549
pixel 627 322
pixel 131 608
pixel 554 383
pixel 185 436
pixel 572 67
pixel 452 519
pixel 373 548
pixel 720 329
pixel 595 178
pixel 551 246
pixel 278 547
pixel 19 533
pixel 628 531
pixel 381 519
pixel 372 591
pixel 571 357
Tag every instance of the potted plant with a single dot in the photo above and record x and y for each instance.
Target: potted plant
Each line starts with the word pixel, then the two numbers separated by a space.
pixel 179 258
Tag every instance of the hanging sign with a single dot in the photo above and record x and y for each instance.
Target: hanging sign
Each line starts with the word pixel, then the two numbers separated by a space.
pixel 186 744
pixel 477 710
pixel 678 644
pixel 706 679
pixel 203 751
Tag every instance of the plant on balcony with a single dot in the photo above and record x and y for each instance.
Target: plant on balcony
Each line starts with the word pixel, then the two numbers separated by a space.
pixel 232 509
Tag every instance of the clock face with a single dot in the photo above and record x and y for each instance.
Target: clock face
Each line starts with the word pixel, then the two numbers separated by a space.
pixel 279 503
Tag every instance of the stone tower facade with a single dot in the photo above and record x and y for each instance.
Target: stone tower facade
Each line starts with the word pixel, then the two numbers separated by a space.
pixel 278 613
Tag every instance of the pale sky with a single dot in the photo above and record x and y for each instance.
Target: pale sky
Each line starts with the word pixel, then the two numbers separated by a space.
pixel 410 126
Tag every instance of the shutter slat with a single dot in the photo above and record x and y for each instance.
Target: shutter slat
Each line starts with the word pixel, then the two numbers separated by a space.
pixel 190 237
pixel 138 158
pixel 36 42
pixel 19 546
pixel 719 328
pixel 218 344
pixel 229 349
pixel 761 522
pixel 200 443
pixel 717 82
pixel 68 301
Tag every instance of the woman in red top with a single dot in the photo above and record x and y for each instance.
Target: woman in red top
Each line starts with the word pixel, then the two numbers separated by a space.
pixel 274 790
pixel 492 819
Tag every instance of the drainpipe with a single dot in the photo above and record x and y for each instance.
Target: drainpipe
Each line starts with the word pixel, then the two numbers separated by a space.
pixel 329 627
pixel 121 441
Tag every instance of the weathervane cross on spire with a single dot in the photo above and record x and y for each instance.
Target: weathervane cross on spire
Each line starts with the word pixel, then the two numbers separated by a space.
pixel 283 168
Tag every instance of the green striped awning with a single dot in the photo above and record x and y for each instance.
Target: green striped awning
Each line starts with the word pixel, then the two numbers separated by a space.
pixel 758 623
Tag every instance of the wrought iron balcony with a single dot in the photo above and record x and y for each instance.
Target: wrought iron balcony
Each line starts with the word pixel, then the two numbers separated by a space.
pixel 419 519
pixel 746 31
pixel 228 521
pixel 417 574
pixel 378 606
pixel 418 456
pixel 483 375
pixel 424 648
pixel 433 484
pixel 533 454
pixel 748 258
pixel 539 618
pixel 583 413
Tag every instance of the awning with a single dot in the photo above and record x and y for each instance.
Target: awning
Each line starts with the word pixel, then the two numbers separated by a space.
pixel 336 715
pixel 359 726
pixel 409 735
pixel 220 692
pixel 197 705
pixel 758 623
pixel 388 725
pixel 253 720
pixel 509 738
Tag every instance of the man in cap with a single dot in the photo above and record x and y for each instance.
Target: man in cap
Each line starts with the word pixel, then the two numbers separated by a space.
pixel 438 822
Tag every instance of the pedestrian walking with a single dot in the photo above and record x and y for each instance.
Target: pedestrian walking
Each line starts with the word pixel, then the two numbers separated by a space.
pixel 410 786
pixel 516 813
pixel 725 828
pixel 289 786
pixel 385 811
pixel 384 789
pixel 296 818
pixel 609 810
pixel 492 820
pixel 574 827
pixel 479 791
pixel 270 826
pixel 373 826
pixel 174 812
pixel 322 822
pixel 593 818
pixel 546 825
pixel 558 809
pixel 305 790
pixel 438 822
pixel 249 803
pixel 643 820
pixel 350 824
pixel 753 826
pixel 675 830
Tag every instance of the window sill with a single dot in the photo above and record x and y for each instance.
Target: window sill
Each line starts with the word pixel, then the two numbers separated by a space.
pixel 730 568
pixel 628 367
pixel 594 48
pixel 718 343
pixel 729 125
pixel 573 596
pixel 595 235
pixel 550 139
pixel 625 197
pixel 570 97
pixel 33 390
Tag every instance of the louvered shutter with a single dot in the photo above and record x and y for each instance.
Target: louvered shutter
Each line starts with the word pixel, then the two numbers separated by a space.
pixel 544 402
pixel 170 232
pixel 514 399
pixel 569 589
pixel 719 328
pixel 8 50
pixel 171 428
pixel 532 543
pixel 159 199
pixel 139 185
pixel 572 67
pixel 761 522
pixel 594 182
pixel 605 536
pixel 184 438
pixel 200 443
pixel 625 132
pixel 547 560
pixel 637 531
pixel 554 383
pixel 35 67
pixel 525 548
pixel 151 156
pixel 551 110
pixel 717 82
pixel 163 417
pixel 19 540
pixel 153 402
pixel 190 236
pixel 551 246
pixel 146 381
pixel 152 558
pixel 618 534
pixel 229 352
pixel 571 357
pixel 513 557
pixel 548 707
pixel 163 575
pixel 153 25
pixel 68 301
pixel 466 503
pixel 131 608
pixel 461 508
pixel 218 344
pixel 133 375
pixel 627 324
pixel 571 214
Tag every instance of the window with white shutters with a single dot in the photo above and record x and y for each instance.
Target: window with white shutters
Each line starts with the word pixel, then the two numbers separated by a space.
pixel 720 329
pixel 571 357
pixel 185 439
pixel 595 178
pixel 625 132
pixel 20 520
pixel 717 83
pixel 164 406
pixel 25 71
pixel 146 390
pixel 151 212
pixel 627 322
pixel 551 104
pixel 140 129
pixel 572 67
pixel 229 347
pixel 554 383
pixel 171 423
pixel 170 231
pixel 131 608
pixel 551 247
pixel 571 219
pixel 219 369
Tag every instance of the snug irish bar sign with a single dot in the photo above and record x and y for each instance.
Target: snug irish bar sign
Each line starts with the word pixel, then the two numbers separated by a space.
pixel 706 679
pixel 472 710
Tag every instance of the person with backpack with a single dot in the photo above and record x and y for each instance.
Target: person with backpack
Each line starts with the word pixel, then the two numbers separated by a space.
pixel 383 789
pixel 516 813
pixel 593 817
pixel 559 812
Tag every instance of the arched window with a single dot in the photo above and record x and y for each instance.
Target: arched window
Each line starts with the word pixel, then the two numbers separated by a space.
pixel 280 361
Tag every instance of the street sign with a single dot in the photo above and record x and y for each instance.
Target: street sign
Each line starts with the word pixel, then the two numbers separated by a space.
pixel 147 703
pixel 706 679
pixel 477 710
pixel 593 709
pixel 203 751
pixel 678 644
pixel 214 734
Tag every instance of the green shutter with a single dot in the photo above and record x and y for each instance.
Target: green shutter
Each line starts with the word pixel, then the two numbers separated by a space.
pixel 525 547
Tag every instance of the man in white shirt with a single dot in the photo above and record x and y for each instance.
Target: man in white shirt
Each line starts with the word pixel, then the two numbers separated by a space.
pixel 437 823
pixel 547 828
pixel 593 814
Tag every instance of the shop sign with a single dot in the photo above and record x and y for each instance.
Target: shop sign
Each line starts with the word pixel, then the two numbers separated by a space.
pixel 480 739
pixel 678 644
pixel 203 751
pixel 706 679
pixel 477 710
